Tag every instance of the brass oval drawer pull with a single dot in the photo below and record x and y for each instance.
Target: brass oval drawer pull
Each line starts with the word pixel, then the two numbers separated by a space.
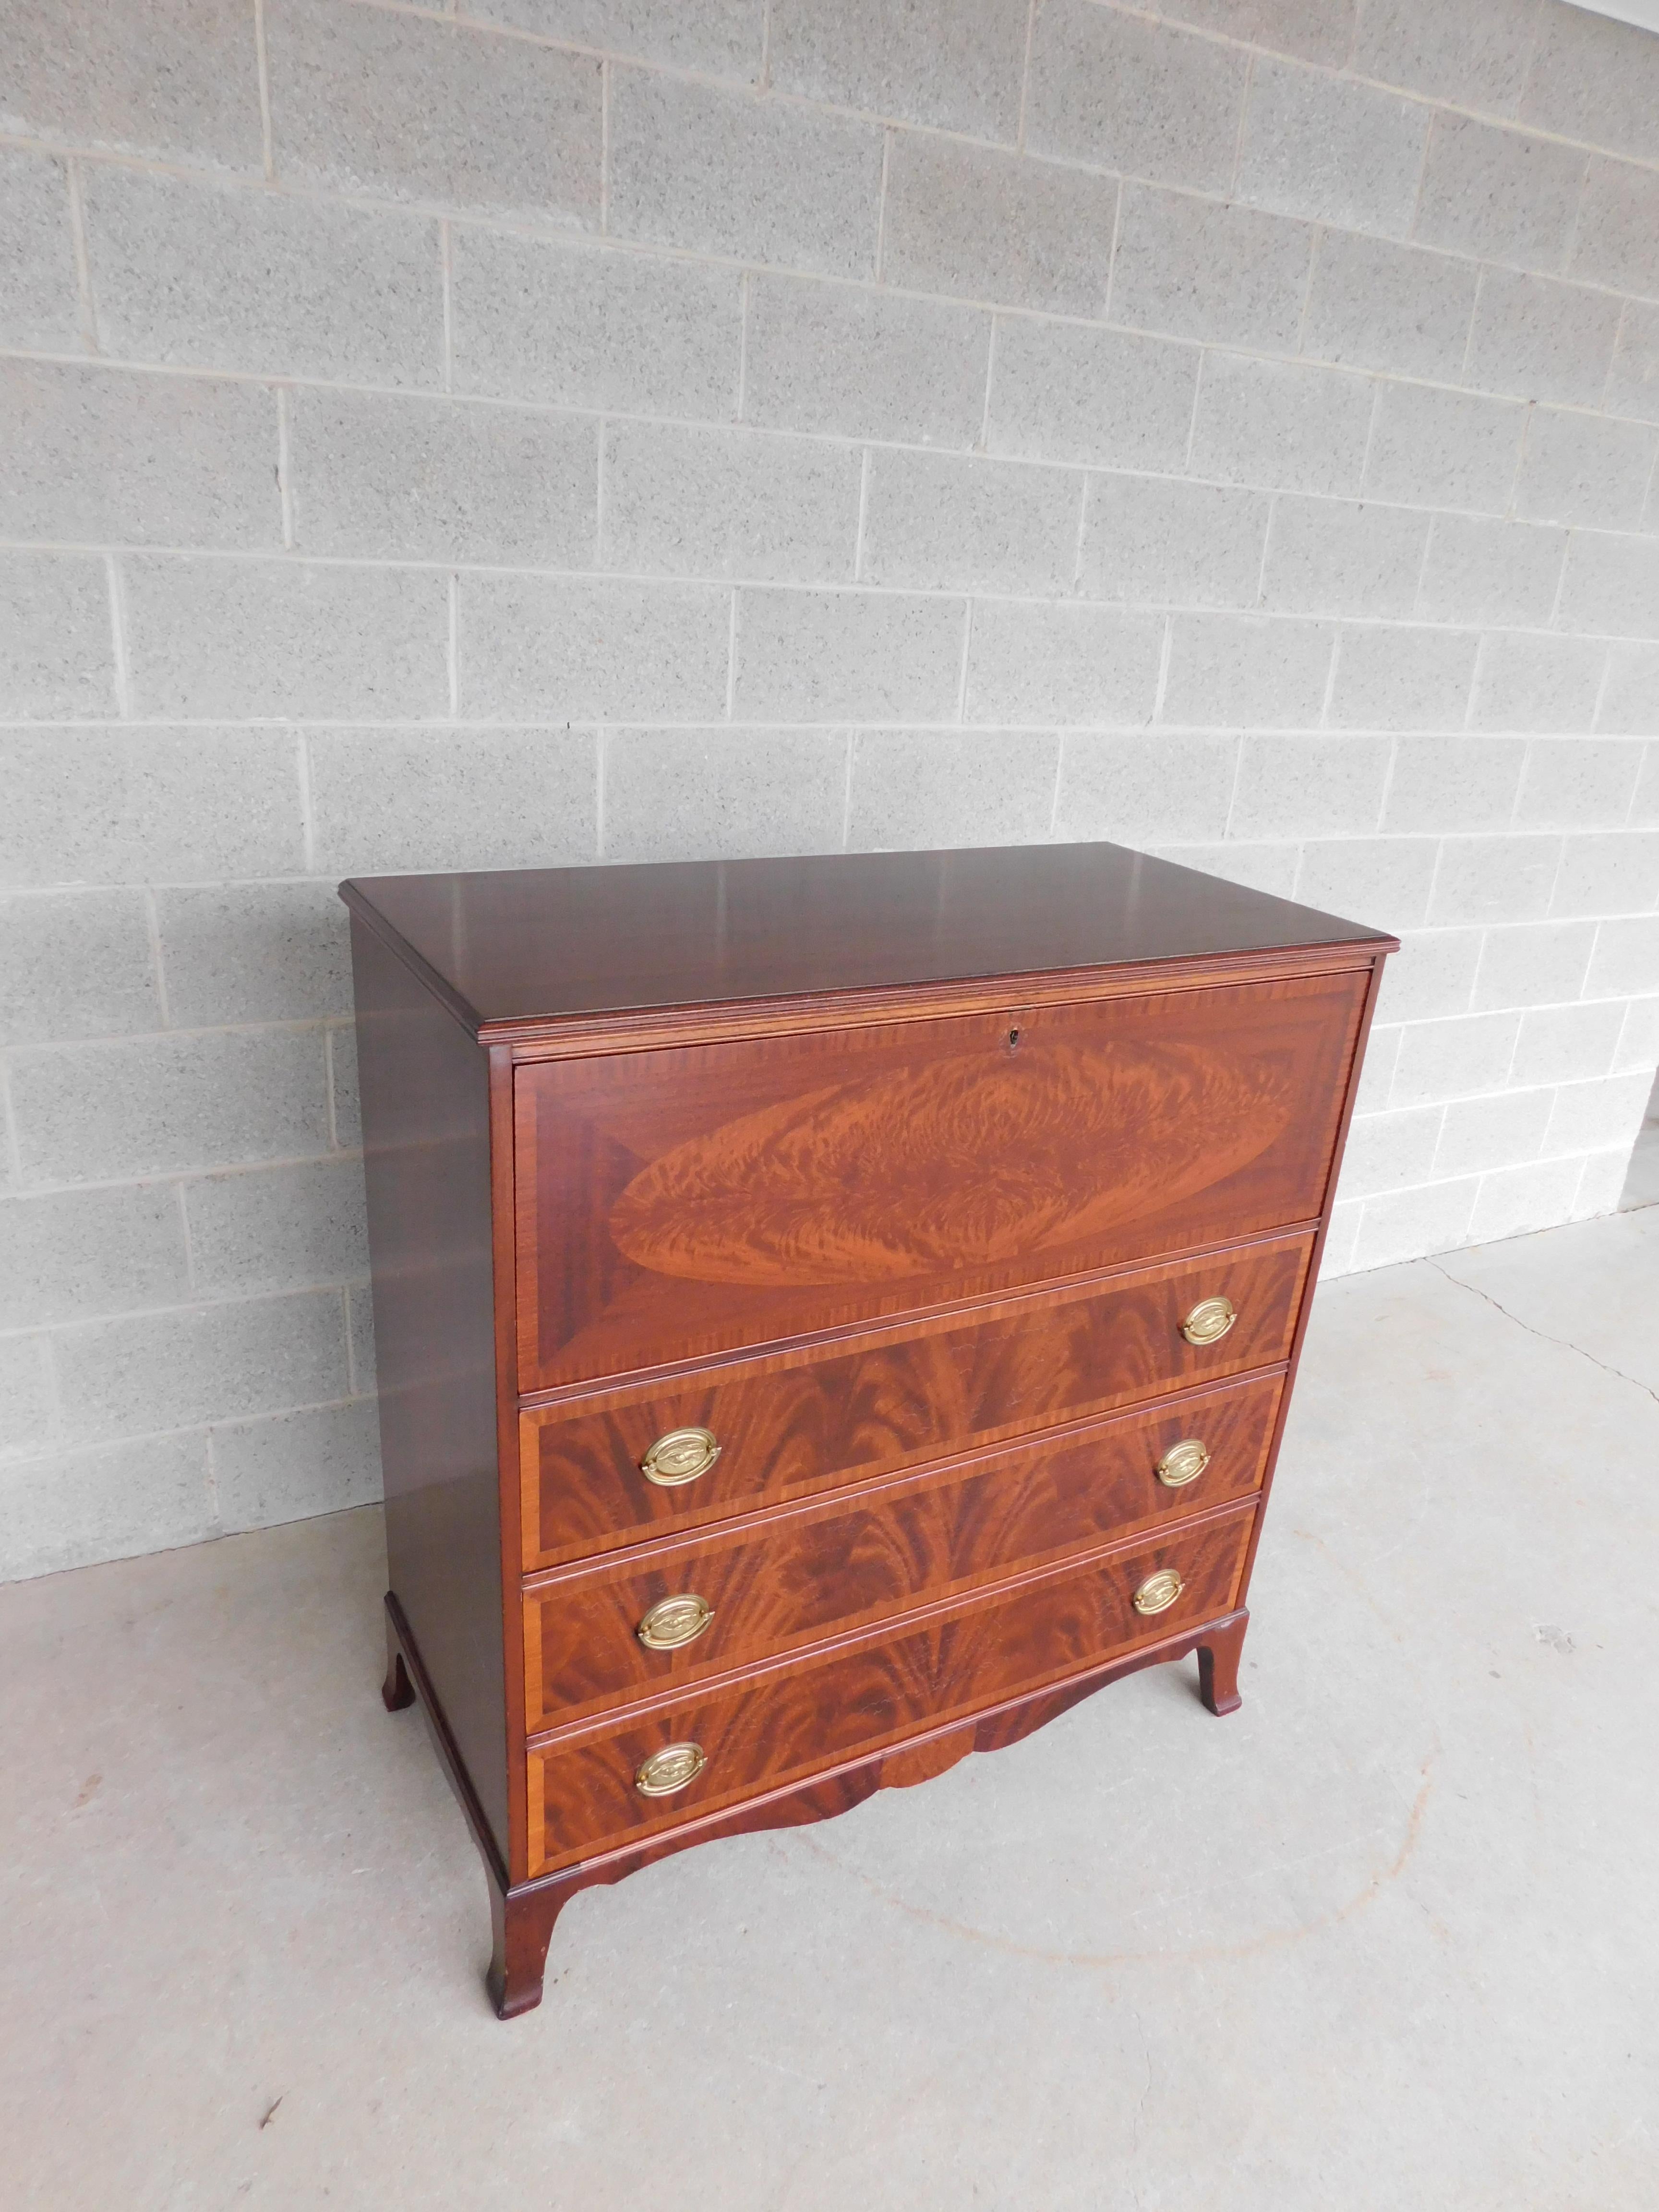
pixel 670 1769
pixel 673 1621
pixel 680 1456
pixel 1159 1591
pixel 1182 1464
pixel 1209 1320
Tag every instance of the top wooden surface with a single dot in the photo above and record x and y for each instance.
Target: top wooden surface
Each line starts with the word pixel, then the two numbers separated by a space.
pixel 546 944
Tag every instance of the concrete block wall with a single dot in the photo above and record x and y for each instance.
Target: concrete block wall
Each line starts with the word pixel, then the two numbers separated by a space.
pixel 546 430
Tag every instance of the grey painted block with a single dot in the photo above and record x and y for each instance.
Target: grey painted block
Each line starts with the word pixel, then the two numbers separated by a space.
pixel 57 653
pixel 1615 873
pixel 915 788
pixel 1536 683
pixel 1311 30
pixel 253 953
pixel 1499 195
pixel 1630 697
pixel 722 38
pixel 721 171
pixel 278 1229
pixel 989 226
pixel 1633 386
pixel 1120 93
pixel 291 1465
pixel 1281 425
pixel 1639 1041
pixel 941 521
pixel 1513 1201
pixel 1644 807
pixel 1431 976
pixel 1540 964
pixel 345 1105
pixel 391 801
pixel 1340 153
pixel 1540 339
pixel 1612 584
pixel 1387 1151
pixel 1481 1134
pixel 67 1254
pixel 400 107
pixel 1240 672
pixel 1376 305
pixel 1496 878
pixel 108 455
pixel 954 63
pixel 1406 1225
pixel 1597 1117
pixel 73 1508
pixel 1597 81
pixel 438 480
pixel 1453 1059
pixel 1577 783
pixel 1626 960
pixel 848 657
pixel 1060 393
pixel 1154 540
pixel 28 1402
pixel 1309 787
pixel 1444 449
pixel 729 503
pixel 40 300
pixel 135 806
pixel 1377 1076
pixel 341 292
pixel 584 326
pixel 175 79
pixel 1475 55
pixel 1491 572
pixel 550 648
pixel 208 638
pixel 1394 678
pixel 359 1336
pixel 74 964
pixel 1386 880
pixel 1454 783
pixel 1617 239
pixel 1567 1044
pixel 1045 666
pixel 1580 468
pixel 1331 556
pixel 721 794
pixel 1144 791
pixel 89 1113
pixel 859 364
pixel 1265 867
pixel 1198 269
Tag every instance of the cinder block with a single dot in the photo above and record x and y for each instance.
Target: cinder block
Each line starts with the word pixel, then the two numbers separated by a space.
pixel 1120 93
pixel 401 106
pixel 1309 30
pixel 387 801
pixel 253 953
pixel 1144 791
pixel 1458 1058
pixel 721 794
pixel 1514 1201
pixel 942 521
pixel 1444 784
pixel 914 789
pixel 177 80
pixel 719 38
pixel 555 648
pixel 1596 80
pixel 1198 269
pixel 1525 683
pixel 990 226
pixel 360 1337
pixel 1481 1134
pixel 957 68
pixel 1614 873
pixel 1388 678
pixel 1601 1183
pixel 1028 665
pixel 57 658
pixel 1499 195
pixel 75 1509
pixel 1060 393
pixel 278 1229
pixel 1409 1224
pixel 1495 880
pixel 76 964
pixel 582 326
pixel 1630 697
pixel 1281 425
pixel 1152 539
pixel 68 1253
pixel 1431 976
pixel 729 503
pixel 1541 963
pixel 1376 1072
pixel 1638 1040
pixel 344 1100
pixel 1539 339
pixel 863 364
pixel 1373 304
pixel 1390 1151
pixel 341 292
pixel 1478 571
pixel 98 455
pixel 1474 56
pixel 208 638
pixel 1341 153
pixel 721 171
pixel 40 294
pixel 173 806
pixel 91 1113
pixel 848 657
pixel 27 1400
pixel 1632 386
pixel 1442 449
pixel 1617 239
pixel 1331 557
pixel 1611 584
pixel 1577 783
pixel 1342 1228
pixel 1626 962
pixel 1602 1116
pixel 1584 469
pixel 1238 672
pixel 293 1465
pixel 440 480
pixel 1309 787
pixel 1386 880
pixel 1568 1044
pixel 1264 867
pixel 1644 807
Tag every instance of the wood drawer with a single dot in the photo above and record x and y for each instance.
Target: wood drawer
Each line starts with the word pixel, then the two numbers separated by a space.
pixel 805 1572
pixel 804 1716
pixel 839 1414
pixel 675 1205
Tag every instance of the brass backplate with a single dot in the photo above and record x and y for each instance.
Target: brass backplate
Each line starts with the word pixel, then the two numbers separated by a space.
pixel 1182 1464
pixel 1159 1591
pixel 673 1621
pixel 1209 1320
pixel 670 1769
pixel 680 1456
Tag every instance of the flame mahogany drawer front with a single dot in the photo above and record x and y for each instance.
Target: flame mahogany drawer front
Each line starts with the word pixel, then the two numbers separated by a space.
pixel 830 1315
pixel 835 1415
pixel 596 1636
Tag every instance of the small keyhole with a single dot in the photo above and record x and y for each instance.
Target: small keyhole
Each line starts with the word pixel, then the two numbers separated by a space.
pixel 1013 1040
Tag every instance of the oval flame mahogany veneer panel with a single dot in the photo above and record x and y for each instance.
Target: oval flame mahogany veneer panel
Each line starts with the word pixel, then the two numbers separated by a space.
pixel 806 1714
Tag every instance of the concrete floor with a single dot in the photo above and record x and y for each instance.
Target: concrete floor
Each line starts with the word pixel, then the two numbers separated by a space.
pixel 1387 1938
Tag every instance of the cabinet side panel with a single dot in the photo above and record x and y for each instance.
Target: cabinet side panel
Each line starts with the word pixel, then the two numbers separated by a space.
pixel 425 1088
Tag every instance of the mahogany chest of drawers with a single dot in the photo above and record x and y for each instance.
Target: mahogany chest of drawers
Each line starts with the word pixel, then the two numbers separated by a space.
pixel 831 1315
